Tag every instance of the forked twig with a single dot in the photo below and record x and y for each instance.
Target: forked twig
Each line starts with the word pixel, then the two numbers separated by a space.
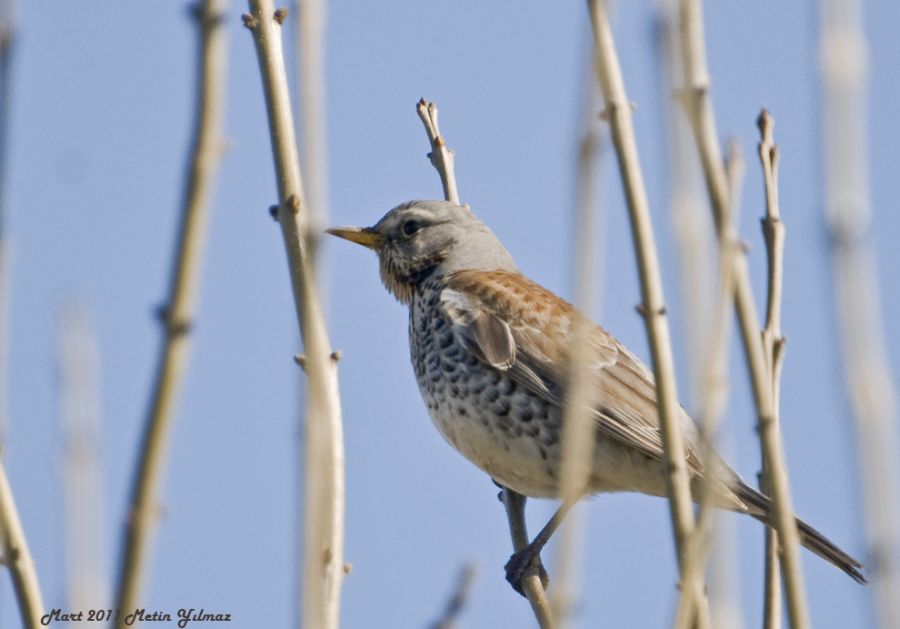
pixel 441 156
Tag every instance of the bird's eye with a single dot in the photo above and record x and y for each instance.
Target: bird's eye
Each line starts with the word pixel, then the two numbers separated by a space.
pixel 411 226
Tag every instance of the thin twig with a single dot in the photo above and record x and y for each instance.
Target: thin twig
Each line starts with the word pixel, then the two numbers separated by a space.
pixel 79 405
pixel 324 569
pixel 582 394
pixel 618 112
pixel 700 114
pixel 457 601
pixel 144 507
pixel 442 159
pixel 869 382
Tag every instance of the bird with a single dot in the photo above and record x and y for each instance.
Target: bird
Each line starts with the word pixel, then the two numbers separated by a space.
pixel 490 351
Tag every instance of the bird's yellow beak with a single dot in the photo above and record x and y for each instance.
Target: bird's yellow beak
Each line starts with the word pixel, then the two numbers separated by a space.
pixel 365 236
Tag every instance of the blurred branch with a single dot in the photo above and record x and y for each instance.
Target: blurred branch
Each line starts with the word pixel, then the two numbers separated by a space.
pixel 714 388
pixel 582 392
pixel 79 393
pixel 310 51
pixel 693 233
pixel 323 570
pixel 457 600
pixel 870 385
pixel 176 316
pixel 618 112
pixel 699 110
pixel 7 40
pixel 442 159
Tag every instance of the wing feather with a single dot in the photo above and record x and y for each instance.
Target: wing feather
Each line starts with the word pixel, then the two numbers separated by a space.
pixel 516 325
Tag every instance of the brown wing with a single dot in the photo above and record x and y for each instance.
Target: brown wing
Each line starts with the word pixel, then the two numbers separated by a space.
pixel 531 327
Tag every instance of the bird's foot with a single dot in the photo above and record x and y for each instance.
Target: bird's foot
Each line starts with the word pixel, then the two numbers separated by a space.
pixel 523 564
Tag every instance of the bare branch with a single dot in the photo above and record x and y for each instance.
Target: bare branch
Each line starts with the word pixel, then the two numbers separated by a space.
pixel 618 109
pixel 323 570
pixel 176 316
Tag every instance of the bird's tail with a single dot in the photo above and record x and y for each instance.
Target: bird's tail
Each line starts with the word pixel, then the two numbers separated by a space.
pixel 761 508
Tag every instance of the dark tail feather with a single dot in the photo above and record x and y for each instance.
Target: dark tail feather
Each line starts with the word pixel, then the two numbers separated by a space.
pixel 761 509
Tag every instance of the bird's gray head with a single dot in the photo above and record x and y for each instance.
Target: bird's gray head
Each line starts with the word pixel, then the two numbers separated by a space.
pixel 419 239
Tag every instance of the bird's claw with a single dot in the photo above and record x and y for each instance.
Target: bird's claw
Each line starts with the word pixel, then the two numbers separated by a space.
pixel 523 564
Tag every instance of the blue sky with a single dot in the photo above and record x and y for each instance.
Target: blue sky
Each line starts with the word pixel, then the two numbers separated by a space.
pixel 98 135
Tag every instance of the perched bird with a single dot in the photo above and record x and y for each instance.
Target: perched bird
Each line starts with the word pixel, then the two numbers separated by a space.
pixel 489 348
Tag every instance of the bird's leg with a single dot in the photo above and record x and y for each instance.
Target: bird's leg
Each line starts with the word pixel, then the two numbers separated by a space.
pixel 515 513
pixel 528 555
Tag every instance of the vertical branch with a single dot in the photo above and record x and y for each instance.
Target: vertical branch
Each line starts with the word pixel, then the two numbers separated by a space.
pixel 13 545
pixel 773 341
pixel 582 394
pixel 176 315
pixel 870 385
pixel 311 115
pixel 311 104
pixel 442 159
pixel 79 392
pixel 618 112
pixel 699 110
pixel 324 569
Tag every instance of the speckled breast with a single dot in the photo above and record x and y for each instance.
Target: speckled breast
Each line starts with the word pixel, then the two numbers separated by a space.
pixel 507 431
